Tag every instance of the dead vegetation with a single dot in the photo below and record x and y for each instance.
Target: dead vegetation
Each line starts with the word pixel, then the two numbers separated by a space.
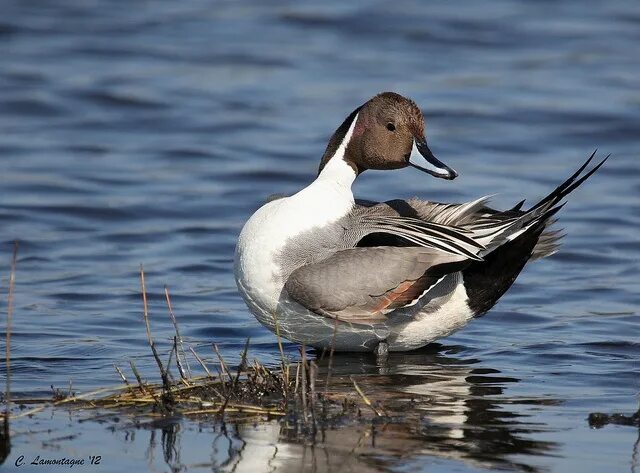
pixel 249 392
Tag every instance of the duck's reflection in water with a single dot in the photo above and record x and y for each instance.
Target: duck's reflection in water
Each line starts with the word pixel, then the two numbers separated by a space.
pixel 441 405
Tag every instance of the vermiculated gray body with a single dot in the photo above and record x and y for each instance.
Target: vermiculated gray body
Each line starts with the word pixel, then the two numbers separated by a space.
pixel 324 270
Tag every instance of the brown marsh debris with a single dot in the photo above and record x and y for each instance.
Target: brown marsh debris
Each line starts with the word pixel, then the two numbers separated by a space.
pixel 250 392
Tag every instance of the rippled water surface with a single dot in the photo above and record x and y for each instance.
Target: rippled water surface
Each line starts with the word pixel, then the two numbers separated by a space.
pixel 148 132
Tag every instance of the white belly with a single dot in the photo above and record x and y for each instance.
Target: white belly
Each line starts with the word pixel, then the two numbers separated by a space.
pixel 441 317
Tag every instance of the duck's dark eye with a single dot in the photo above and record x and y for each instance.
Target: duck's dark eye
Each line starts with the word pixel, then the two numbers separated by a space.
pixel 391 127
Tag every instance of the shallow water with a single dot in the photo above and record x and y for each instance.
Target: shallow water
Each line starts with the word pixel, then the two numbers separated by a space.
pixel 149 133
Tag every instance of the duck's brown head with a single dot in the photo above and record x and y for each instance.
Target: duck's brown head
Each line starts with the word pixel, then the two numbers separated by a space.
pixel 387 132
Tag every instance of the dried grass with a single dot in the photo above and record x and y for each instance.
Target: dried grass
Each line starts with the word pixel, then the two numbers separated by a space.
pixel 253 392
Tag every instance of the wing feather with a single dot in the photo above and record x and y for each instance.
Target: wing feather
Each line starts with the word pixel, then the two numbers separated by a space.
pixel 362 285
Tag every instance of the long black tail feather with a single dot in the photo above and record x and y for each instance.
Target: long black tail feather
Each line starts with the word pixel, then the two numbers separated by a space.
pixel 569 185
pixel 486 281
pixel 549 241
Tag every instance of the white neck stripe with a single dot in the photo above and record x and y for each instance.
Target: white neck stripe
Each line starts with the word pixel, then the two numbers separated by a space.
pixel 337 168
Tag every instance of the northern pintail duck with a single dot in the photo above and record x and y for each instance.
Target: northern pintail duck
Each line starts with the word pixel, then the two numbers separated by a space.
pixel 326 270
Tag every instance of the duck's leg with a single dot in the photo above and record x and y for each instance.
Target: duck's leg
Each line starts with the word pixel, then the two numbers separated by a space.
pixel 382 350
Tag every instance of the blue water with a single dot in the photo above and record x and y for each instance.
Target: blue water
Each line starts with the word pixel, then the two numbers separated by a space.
pixel 148 132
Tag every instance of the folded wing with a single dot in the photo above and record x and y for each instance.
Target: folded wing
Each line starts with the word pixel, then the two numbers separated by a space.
pixel 362 285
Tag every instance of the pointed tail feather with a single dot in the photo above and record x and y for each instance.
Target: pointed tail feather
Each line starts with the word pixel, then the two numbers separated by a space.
pixel 569 185
pixel 494 234
pixel 548 243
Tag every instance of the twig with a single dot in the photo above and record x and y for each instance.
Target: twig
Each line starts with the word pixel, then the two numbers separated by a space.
pixel 175 325
pixel 634 454
pixel 171 352
pixel 12 280
pixel 124 379
pixel 313 373
pixel 364 397
pixel 333 345
pixel 231 408
pixel 119 387
pixel 285 366
pixel 295 390
pixel 142 385
pixel 243 361
pixel 223 371
pixel 220 379
pixel 183 375
pixel 223 365
pixel 201 362
pixel 136 373
pixel 163 373
pixel 303 379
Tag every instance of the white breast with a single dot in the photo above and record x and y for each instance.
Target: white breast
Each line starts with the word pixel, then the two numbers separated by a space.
pixel 322 203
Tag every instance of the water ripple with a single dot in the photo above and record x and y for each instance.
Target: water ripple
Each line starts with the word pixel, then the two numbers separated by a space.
pixel 150 137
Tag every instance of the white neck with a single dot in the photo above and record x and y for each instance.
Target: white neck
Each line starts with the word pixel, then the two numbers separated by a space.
pixel 326 199
pixel 337 170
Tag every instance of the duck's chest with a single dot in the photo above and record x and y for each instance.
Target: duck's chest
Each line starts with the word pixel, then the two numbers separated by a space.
pixel 284 234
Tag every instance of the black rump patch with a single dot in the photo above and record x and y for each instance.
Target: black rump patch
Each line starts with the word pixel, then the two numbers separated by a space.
pixel 486 281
